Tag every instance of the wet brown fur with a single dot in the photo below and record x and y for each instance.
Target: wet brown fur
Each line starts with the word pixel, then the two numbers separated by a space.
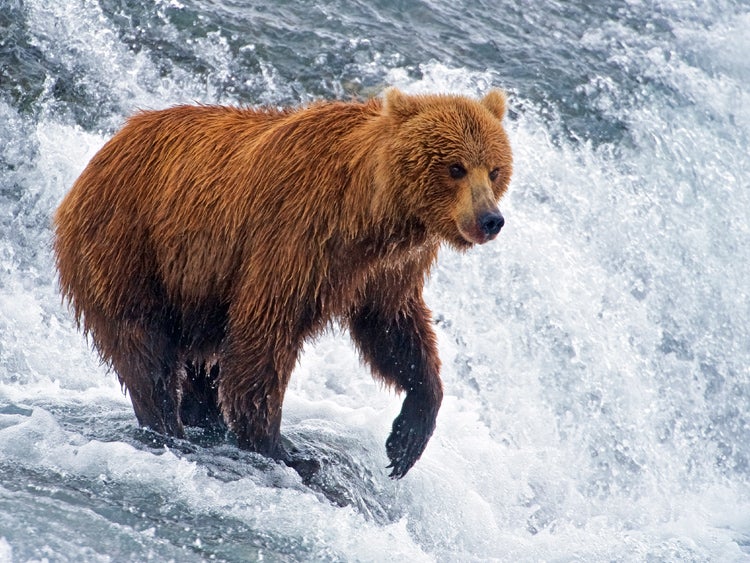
pixel 203 245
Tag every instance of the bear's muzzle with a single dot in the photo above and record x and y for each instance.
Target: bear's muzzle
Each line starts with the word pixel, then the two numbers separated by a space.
pixel 490 223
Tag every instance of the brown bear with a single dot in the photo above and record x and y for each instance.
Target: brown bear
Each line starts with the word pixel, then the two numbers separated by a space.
pixel 203 245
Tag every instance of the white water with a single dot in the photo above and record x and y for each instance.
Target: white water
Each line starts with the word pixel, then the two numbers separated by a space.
pixel 596 357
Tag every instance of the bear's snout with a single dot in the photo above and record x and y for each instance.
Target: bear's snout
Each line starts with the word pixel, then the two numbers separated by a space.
pixel 480 227
pixel 490 223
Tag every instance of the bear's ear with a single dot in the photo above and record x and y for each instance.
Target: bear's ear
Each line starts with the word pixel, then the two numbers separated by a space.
pixel 398 104
pixel 494 101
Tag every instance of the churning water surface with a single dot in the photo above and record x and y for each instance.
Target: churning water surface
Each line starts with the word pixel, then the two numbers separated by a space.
pixel 596 357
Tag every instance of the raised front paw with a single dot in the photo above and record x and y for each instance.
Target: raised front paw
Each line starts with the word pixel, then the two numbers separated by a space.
pixel 411 432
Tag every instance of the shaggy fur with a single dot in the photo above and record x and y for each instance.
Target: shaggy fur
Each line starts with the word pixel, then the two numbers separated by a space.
pixel 203 245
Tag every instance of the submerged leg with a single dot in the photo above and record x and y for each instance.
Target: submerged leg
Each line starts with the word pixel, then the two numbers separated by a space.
pixel 200 396
pixel 255 374
pixel 203 330
pixel 145 359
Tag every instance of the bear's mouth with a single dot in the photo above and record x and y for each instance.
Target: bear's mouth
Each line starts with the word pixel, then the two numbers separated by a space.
pixel 481 228
pixel 472 234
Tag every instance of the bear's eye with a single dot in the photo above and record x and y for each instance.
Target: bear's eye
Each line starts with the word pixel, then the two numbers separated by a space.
pixel 457 171
pixel 494 174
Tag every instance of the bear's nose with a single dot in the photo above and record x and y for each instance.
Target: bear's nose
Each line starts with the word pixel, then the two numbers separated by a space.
pixel 491 223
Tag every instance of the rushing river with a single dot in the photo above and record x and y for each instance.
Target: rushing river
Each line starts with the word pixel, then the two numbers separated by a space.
pixel 596 356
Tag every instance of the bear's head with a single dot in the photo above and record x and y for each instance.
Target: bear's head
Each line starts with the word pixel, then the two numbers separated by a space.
pixel 447 162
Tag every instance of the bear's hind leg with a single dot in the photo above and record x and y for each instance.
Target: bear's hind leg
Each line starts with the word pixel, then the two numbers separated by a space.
pixel 144 356
pixel 200 396
pixel 203 330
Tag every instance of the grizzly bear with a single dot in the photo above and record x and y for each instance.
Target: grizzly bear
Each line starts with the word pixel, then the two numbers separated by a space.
pixel 202 246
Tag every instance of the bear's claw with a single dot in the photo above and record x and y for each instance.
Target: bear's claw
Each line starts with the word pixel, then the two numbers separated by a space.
pixel 411 432
pixel 411 448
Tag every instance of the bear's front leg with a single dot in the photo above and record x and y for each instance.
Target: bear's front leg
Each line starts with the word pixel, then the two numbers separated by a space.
pixel 401 348
pixel 255 372
pixel 252 410
pixel 252 384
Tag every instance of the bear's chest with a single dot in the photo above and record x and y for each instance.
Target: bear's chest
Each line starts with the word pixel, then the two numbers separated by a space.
pixel 383 266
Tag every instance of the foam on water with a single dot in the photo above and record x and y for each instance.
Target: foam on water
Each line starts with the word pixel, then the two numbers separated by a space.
pixel 595 356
